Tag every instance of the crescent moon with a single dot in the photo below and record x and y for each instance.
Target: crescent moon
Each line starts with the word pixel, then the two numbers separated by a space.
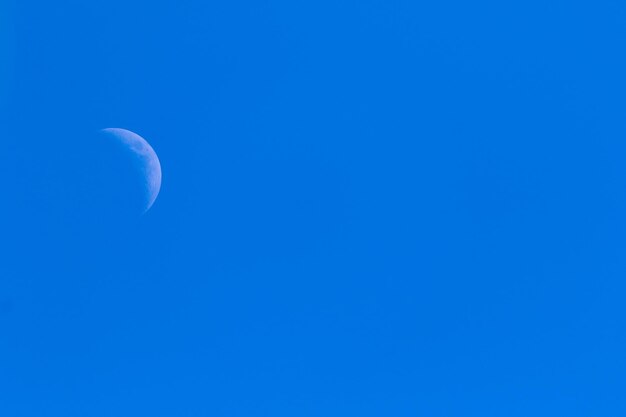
pixel 146 160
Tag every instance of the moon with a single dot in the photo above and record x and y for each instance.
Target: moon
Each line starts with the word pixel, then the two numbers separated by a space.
pixel 144 162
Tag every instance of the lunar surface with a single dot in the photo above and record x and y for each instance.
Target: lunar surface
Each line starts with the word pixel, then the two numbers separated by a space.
pixel 143 160
pixel 118 175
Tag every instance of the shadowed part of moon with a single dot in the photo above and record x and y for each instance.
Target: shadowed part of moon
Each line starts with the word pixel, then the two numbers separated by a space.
pixel 143 161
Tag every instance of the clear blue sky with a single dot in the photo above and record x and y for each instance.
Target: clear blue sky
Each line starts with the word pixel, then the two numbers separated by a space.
pixel 369 208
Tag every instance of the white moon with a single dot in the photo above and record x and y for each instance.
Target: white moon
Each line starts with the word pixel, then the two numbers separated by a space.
pixel 146 161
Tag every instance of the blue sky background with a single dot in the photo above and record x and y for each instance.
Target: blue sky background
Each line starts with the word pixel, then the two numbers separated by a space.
pixel 369 208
